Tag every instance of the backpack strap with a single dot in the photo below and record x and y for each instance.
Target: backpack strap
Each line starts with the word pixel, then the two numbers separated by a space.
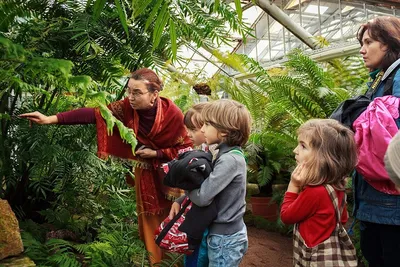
pixel 335 201
pixel 388 89
pixel 375 84
pixel 167 227
pixel 238 151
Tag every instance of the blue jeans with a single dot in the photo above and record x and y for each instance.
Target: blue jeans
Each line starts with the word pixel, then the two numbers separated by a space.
pixel 227 250
pixel 199 257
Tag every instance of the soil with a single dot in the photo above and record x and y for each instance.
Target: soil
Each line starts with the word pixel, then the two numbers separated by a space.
pixel 267 249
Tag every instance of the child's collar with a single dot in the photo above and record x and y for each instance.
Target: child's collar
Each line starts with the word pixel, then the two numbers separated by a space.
pixel 224 148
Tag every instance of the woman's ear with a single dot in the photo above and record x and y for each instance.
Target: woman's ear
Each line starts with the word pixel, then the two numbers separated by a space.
pixel 154 97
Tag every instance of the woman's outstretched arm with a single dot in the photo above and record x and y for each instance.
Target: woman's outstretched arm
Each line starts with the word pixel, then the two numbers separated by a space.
pixel 77 116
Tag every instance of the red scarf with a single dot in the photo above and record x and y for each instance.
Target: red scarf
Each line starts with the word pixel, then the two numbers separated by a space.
pixel 167 133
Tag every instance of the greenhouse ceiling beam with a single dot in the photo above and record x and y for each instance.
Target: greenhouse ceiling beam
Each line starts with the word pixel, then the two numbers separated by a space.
pixel 211 51
pixel 324 54
pixel 181 75
pixel 280 16
pixel 207 59
pixel 383 3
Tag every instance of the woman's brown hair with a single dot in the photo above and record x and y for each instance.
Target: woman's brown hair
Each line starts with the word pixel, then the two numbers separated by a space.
pixel 151 79
pixel 335 152
pixel 385 30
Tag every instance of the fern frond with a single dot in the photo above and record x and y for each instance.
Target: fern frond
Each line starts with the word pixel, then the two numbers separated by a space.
pixel 173 259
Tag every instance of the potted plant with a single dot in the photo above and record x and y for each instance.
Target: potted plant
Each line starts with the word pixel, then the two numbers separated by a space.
pixel 268 166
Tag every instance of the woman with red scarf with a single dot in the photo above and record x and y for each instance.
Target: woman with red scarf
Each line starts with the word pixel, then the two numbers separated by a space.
pixel 160 132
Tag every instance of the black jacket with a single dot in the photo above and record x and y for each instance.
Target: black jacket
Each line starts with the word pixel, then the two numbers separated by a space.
pixel 188 172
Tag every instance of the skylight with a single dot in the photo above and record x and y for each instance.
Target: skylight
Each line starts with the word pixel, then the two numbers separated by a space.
pixel 314 9
pixel 347 8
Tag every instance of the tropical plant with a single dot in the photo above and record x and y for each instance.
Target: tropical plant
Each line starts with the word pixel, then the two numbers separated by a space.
pixel 60 55
pixel 283 99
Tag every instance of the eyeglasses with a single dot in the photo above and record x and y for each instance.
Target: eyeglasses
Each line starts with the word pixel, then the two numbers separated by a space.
pixel 135 93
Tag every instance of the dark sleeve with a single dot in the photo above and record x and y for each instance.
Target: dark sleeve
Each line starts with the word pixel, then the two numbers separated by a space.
pixel 77 116
pixel 160 154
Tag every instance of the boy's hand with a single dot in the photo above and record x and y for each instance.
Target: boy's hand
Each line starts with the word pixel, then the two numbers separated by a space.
pixel 174 210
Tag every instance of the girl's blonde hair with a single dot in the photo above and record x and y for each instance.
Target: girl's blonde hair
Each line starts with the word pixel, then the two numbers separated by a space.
pixel 231 118
pixel 193 119
pixel 335 152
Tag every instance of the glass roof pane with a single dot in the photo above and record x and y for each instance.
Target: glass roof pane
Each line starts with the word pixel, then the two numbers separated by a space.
pixel 210 69
pixel 261 46
pixel 200 57
pixel 337 24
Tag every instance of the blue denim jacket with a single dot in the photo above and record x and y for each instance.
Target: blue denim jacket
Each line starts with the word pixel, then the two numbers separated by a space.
pixel 371 205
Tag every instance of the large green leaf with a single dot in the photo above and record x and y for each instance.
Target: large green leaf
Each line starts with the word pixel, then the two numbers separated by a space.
pixel 139 6
pixel 160 23
pixel 127 134
pixel 238 6
pixel 172 33
pixel 122 15
pixel 153 14
pixel 98 8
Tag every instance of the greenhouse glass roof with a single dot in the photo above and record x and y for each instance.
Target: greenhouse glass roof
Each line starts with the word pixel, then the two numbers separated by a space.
pixel 337 21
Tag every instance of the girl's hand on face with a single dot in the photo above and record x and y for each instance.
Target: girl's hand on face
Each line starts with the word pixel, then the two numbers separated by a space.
pixel 146 153
pixel 174 210
pixel 297 178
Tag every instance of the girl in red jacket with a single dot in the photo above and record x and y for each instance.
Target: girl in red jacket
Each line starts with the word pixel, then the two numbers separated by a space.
pixel 325 155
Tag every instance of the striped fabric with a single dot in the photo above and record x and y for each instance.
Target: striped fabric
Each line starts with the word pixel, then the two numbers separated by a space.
pixel 168 236
pixel 336 251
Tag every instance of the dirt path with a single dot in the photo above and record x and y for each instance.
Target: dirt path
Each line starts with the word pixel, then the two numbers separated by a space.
pixel 267 249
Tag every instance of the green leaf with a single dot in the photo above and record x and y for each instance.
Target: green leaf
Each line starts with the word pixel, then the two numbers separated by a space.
pixel 161 21
pixel 5 116
pixel 172 33
pixel 153 14
pixel 139 7
pixel 216 4
pixel 122 15
pixel 98 7
pixel 77 35
pixel 88 3
pixel 238 9
pixel 127 134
